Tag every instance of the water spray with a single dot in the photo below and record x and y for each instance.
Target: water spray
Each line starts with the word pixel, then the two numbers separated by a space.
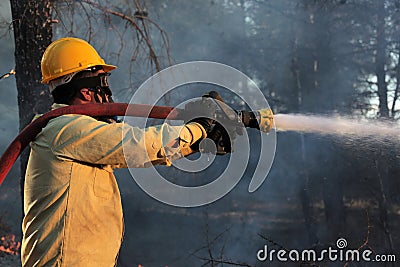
pixel 336 126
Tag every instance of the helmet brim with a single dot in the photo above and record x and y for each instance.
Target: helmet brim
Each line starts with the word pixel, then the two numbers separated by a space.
pixel 106 68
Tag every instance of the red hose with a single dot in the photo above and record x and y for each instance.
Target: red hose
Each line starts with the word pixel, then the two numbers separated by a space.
pixel 29 133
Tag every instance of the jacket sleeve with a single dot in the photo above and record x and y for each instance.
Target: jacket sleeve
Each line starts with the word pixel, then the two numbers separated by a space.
pixel 86 140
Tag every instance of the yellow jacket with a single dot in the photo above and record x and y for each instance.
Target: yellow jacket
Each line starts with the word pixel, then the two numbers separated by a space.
pixel 73 212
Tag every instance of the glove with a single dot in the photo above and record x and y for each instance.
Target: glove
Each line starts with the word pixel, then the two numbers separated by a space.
pixel 219 132
pixel 203 110
pixel 222 140
pixel 262 119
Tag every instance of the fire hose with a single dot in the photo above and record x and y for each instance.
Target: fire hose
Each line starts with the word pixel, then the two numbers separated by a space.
pixel 226 115
pixel 28 134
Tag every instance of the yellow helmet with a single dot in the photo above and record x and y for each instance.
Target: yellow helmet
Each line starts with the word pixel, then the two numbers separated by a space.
pixel 69 55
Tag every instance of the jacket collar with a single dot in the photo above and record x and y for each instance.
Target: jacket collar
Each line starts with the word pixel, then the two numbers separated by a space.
pixel 56 106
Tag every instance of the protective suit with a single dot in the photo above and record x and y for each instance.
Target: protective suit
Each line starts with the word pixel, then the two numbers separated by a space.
pixel 73 211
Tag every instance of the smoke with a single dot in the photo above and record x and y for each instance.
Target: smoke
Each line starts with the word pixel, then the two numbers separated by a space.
pixel 10 204
pixel 300 57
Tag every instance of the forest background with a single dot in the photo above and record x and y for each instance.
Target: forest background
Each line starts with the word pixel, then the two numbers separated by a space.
pixel 334 58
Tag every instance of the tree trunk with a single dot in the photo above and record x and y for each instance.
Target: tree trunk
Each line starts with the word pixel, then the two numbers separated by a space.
pixel 32 34
pixel 381 60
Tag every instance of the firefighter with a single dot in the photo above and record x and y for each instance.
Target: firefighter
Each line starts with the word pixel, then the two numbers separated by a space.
pixel 72 205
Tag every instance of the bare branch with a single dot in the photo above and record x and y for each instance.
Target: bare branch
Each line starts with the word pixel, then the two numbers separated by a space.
pixel 141 31
pixel 366 241
pixel 8 74
pixel 209 247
